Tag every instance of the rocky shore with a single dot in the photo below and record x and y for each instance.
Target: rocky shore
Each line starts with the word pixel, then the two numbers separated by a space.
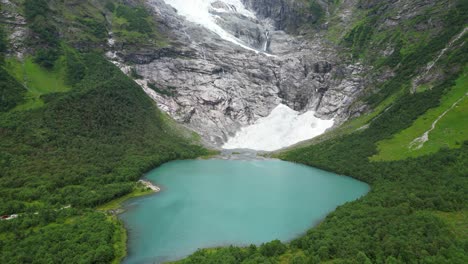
pixel 150 185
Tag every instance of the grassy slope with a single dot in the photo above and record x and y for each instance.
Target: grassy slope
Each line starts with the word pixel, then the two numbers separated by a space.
pixel 36 80
pixel 449 132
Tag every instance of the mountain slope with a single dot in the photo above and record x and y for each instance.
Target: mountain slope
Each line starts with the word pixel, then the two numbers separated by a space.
pixel 75 133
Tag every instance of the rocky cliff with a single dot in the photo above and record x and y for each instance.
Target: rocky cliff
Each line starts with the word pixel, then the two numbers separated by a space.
pixel 288 15
pixel 216 85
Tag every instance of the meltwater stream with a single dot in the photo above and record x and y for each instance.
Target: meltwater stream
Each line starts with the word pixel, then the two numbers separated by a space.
pixel 208 203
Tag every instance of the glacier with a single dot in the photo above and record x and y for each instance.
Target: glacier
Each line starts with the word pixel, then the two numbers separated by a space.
pixel 282 128
pixel 202 12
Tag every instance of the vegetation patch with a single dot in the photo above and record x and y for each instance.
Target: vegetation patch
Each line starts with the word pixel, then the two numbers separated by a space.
pixel 3 43
pixel 116 204
pixel 45 34
pixel 11 92
pixel 71 236
pixel 169 91
pixel 135 25
pixel 119 240
pixel 457 222
pixel 38 81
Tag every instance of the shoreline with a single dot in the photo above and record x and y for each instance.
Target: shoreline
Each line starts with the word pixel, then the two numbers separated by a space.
pixel 150 185
pixel 115 207
pixel 142 188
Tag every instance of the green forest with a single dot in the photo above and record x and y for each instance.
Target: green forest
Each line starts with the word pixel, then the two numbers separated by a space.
pixel 80 147
pixel 83 148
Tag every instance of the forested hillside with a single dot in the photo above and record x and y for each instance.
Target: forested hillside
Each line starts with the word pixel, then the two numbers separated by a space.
pixel 75 133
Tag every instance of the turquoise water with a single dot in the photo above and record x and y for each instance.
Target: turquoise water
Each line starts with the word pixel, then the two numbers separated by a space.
pixel 208 203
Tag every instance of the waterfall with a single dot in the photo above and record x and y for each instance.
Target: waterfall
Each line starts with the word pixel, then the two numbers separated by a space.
pixel 442 52
pixel 187 35
pixel 267 40
pixel 203 53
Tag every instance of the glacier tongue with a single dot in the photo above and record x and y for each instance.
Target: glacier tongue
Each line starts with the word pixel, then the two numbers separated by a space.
pixel 282 128
pixel 201 12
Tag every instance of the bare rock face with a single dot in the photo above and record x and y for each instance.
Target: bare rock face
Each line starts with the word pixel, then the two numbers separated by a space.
pixel 215 86
pixel 286 15
pixel 16 25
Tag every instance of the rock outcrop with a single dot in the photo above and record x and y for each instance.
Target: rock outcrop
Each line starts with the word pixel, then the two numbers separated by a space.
pixel 288 15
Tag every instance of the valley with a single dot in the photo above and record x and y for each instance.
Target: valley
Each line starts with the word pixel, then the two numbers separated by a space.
pixel 243 115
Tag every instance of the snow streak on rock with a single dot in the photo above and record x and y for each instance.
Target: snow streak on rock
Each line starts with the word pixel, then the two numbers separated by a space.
pixel 203 12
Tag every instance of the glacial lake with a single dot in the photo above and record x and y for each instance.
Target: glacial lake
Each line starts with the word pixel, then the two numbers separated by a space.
pixel 209 203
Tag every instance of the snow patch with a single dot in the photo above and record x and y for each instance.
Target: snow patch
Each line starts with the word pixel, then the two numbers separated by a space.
pixel 282 128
